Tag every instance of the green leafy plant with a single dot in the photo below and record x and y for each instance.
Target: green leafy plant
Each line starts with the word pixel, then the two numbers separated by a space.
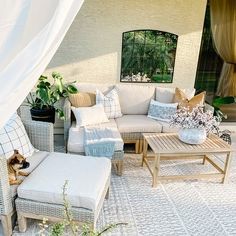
pixel 219 101
pixel 48 94
pixel 59 228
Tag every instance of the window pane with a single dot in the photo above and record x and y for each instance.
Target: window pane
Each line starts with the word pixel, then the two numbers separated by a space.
pixel 149 53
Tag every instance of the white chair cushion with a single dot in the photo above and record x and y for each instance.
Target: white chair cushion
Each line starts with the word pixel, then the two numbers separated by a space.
pixel 137 123
pixel 34 161
pixel 87 177
pixel 13 136
pixel 76 137
pixel 110 102
pixel 166 95
pixel 89 115
pixel 134 99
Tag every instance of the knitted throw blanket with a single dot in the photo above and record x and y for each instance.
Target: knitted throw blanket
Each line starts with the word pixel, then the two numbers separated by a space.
pixel 99 142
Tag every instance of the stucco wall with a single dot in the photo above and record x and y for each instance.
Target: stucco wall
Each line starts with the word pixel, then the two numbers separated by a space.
pixel 91 50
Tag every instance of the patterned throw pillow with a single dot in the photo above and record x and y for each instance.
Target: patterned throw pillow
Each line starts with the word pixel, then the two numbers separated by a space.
pixel 161 111
pixel 13 136
pixel 110 102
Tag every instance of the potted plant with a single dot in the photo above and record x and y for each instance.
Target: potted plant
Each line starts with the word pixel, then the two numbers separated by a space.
pixel 195 124
pixel 43 102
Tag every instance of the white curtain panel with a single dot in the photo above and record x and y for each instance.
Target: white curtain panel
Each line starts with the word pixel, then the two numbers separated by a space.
pixel 30 33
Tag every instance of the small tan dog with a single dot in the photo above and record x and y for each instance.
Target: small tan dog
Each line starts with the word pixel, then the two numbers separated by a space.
pixel 14 164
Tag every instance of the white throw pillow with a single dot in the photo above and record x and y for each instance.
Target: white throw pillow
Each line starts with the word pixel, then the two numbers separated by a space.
pixel 89 115
pixel 110 102
pixel 13 136
pixel 161 111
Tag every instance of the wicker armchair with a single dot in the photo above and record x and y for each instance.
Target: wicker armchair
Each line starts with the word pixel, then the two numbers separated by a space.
pixel 41 136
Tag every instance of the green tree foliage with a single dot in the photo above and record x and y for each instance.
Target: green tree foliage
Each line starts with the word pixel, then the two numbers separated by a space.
pixel 149 52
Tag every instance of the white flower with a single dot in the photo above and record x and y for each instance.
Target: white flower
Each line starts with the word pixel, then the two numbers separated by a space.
pixel 195 118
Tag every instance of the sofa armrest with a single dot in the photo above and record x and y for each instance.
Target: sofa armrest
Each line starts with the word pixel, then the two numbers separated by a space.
pixel 5 191
pixel 67 120
pixel 40 134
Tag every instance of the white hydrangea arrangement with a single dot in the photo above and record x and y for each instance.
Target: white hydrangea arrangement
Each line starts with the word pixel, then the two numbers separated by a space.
pixel 195 118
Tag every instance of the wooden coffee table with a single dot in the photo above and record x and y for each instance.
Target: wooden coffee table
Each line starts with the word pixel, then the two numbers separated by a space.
pixel 167 146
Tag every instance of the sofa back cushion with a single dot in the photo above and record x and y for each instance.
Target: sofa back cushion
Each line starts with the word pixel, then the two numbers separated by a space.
pixel 135 99
pixel 92 87
pixel 166 95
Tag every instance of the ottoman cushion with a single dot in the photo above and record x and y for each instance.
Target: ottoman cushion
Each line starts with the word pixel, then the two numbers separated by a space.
pixel 87 178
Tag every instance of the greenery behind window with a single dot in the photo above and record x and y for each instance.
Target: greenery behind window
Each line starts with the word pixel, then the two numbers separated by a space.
pixel 149 54
pixel 209 63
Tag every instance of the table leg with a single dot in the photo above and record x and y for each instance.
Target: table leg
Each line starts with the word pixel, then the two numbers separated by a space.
pixel 145 147
pixel 204 160
pixel 227 167
pixel 156 170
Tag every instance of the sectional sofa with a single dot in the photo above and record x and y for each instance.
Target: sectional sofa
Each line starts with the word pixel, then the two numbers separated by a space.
pixel 134 101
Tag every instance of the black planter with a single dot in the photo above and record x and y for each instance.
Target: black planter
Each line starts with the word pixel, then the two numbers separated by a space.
pixel 45 115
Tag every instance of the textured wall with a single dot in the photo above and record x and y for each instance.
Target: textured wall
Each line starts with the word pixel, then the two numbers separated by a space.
pixel 91 50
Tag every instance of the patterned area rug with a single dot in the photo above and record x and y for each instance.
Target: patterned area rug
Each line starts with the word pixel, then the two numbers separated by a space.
pixel 174 208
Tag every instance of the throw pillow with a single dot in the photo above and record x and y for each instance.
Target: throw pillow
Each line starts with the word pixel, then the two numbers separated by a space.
pixel 161 111
pixel 13 136
pixel 82 99
pixel 110 102
pixel 181 98
pixel 89 115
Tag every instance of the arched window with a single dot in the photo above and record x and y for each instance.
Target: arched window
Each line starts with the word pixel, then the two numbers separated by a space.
pixel 148 56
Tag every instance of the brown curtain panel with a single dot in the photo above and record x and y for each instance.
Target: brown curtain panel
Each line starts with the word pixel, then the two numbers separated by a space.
pixel 223 26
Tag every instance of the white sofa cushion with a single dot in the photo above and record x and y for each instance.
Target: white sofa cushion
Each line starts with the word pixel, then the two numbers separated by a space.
pixel 161 111
pixel 135 99
pixel 89 115
pixel 87 177
pixel 166 128
pixel 110 102
pixel 76 137
pixel 13 136
pixel 166 95
pixel 137 123
pixel 34 161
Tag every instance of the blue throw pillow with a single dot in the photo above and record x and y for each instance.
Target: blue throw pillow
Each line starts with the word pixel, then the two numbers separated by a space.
pixel 161 111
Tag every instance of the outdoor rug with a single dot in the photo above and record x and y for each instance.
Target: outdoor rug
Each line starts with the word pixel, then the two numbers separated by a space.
pixel 174 208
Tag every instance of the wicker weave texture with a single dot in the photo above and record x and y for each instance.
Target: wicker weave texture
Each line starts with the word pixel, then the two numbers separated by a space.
pixel 131 136
pixel 26 207
pixel 5 191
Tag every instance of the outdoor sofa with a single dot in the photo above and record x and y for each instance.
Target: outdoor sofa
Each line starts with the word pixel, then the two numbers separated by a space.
pixel 134 102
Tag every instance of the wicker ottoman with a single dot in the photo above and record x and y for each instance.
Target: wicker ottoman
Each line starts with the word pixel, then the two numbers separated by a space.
pixel 40 195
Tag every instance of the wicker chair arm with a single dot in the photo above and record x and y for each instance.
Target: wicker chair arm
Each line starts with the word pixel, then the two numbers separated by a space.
pixel 40 134
pixel 5 191
pixel 67 120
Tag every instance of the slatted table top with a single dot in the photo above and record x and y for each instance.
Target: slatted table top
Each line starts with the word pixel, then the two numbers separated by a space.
pixel 170 143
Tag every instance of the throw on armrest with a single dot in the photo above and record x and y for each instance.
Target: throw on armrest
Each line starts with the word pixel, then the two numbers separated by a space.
pixel 5 192
pixel 67 120
pixel 40 134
